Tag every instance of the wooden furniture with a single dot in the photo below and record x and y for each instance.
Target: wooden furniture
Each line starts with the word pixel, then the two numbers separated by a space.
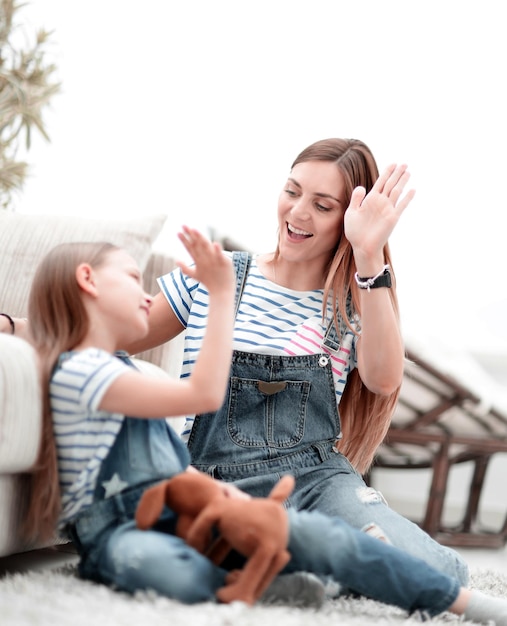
pixel 438 423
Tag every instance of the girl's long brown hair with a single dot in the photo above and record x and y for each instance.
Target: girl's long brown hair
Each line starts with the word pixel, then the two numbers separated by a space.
pixel 58 322
pixel 365 416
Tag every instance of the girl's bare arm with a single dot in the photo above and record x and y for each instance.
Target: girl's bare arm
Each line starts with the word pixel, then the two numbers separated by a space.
pixel 136 394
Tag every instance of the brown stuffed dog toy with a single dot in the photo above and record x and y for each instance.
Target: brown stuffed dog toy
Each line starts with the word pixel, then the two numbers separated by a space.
pixel 257 528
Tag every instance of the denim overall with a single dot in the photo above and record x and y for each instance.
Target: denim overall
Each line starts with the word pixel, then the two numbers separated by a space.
pixel 280 416
pixel 113 551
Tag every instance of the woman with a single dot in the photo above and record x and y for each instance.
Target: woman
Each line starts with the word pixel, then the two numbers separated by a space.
pixel 318 358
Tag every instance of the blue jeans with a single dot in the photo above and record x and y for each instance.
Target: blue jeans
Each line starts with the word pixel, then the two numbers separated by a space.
pixel 118 554
pixel 280 416
pixel 113 551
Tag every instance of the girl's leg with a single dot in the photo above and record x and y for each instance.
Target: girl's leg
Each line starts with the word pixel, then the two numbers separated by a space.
pixel 336 489
pixel 330 547
pixel 132 560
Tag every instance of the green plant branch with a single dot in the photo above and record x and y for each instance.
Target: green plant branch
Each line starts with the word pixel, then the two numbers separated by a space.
pixel 27 86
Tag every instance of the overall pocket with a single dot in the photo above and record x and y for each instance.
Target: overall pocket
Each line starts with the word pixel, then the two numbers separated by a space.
pixel 280 405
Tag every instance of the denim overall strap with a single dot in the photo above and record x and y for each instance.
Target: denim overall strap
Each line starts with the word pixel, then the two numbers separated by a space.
pixel 331 339
pixel 241 261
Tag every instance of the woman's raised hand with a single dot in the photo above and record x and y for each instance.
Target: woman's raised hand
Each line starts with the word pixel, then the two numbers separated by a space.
pixel 371 218
pixel 212 267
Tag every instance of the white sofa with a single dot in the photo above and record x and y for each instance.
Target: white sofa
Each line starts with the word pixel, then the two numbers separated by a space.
pixel 23 242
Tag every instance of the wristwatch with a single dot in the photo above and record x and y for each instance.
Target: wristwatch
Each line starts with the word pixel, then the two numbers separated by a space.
pixel 382 279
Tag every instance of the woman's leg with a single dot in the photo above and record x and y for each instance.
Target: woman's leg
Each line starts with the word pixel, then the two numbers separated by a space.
pixel 336 489
pixel 330 547
pixel 131 560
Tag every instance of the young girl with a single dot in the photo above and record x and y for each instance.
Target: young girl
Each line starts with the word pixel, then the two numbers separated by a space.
pixel 105 441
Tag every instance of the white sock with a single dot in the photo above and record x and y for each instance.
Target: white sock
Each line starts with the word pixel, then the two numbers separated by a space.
pixel 299 589
pixel 482 607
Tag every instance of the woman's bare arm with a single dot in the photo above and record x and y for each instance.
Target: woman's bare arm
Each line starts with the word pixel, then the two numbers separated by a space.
pixel 164 326
pixel 14 326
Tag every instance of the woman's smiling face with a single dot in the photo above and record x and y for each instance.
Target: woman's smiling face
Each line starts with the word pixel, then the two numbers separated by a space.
pixel 310 211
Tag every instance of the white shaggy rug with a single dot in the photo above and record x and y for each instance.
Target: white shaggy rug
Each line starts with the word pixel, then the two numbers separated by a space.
pixel 56 597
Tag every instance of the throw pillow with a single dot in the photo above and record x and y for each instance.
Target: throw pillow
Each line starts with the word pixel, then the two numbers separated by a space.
pixel 25 239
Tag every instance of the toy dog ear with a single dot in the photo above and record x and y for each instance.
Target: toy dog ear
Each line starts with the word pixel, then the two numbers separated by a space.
pixel 150 506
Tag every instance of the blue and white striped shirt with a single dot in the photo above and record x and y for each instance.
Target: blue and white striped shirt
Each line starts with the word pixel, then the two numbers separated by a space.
pixel 271 320
pixel 84 435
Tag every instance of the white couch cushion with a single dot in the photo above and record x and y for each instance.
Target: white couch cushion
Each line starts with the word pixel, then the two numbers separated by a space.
pixel 25 240
pixel 20 405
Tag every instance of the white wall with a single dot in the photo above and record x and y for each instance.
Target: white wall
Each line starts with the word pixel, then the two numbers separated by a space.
pixel 198 108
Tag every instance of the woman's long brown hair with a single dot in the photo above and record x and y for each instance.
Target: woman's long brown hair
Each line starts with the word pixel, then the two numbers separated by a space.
pixel 365 416
pixel 58 322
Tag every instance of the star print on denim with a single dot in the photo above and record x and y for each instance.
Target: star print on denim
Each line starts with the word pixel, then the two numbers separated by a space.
pixel 114 485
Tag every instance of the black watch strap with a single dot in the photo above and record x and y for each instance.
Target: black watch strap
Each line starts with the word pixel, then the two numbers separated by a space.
pixel 384 280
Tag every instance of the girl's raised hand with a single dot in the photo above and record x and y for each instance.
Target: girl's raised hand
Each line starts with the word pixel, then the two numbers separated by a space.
pixel 371 218
pixel 212 267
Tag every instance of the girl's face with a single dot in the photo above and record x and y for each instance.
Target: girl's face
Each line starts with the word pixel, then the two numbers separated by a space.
pixel 310 212
pixel 122 299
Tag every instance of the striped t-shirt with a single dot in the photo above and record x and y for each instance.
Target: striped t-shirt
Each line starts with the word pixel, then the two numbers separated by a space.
pixel 271 320
pixel 84 435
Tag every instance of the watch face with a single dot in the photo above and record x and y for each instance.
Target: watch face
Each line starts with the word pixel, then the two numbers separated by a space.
pixel 382 281
pixel 386 279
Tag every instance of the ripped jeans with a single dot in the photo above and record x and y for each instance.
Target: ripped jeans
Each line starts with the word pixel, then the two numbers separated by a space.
pixel 115 552
pixel 126 558
pixel 280 416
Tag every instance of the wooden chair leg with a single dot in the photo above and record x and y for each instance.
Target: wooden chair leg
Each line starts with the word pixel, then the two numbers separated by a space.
pixel 432 522
pixel 470 517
